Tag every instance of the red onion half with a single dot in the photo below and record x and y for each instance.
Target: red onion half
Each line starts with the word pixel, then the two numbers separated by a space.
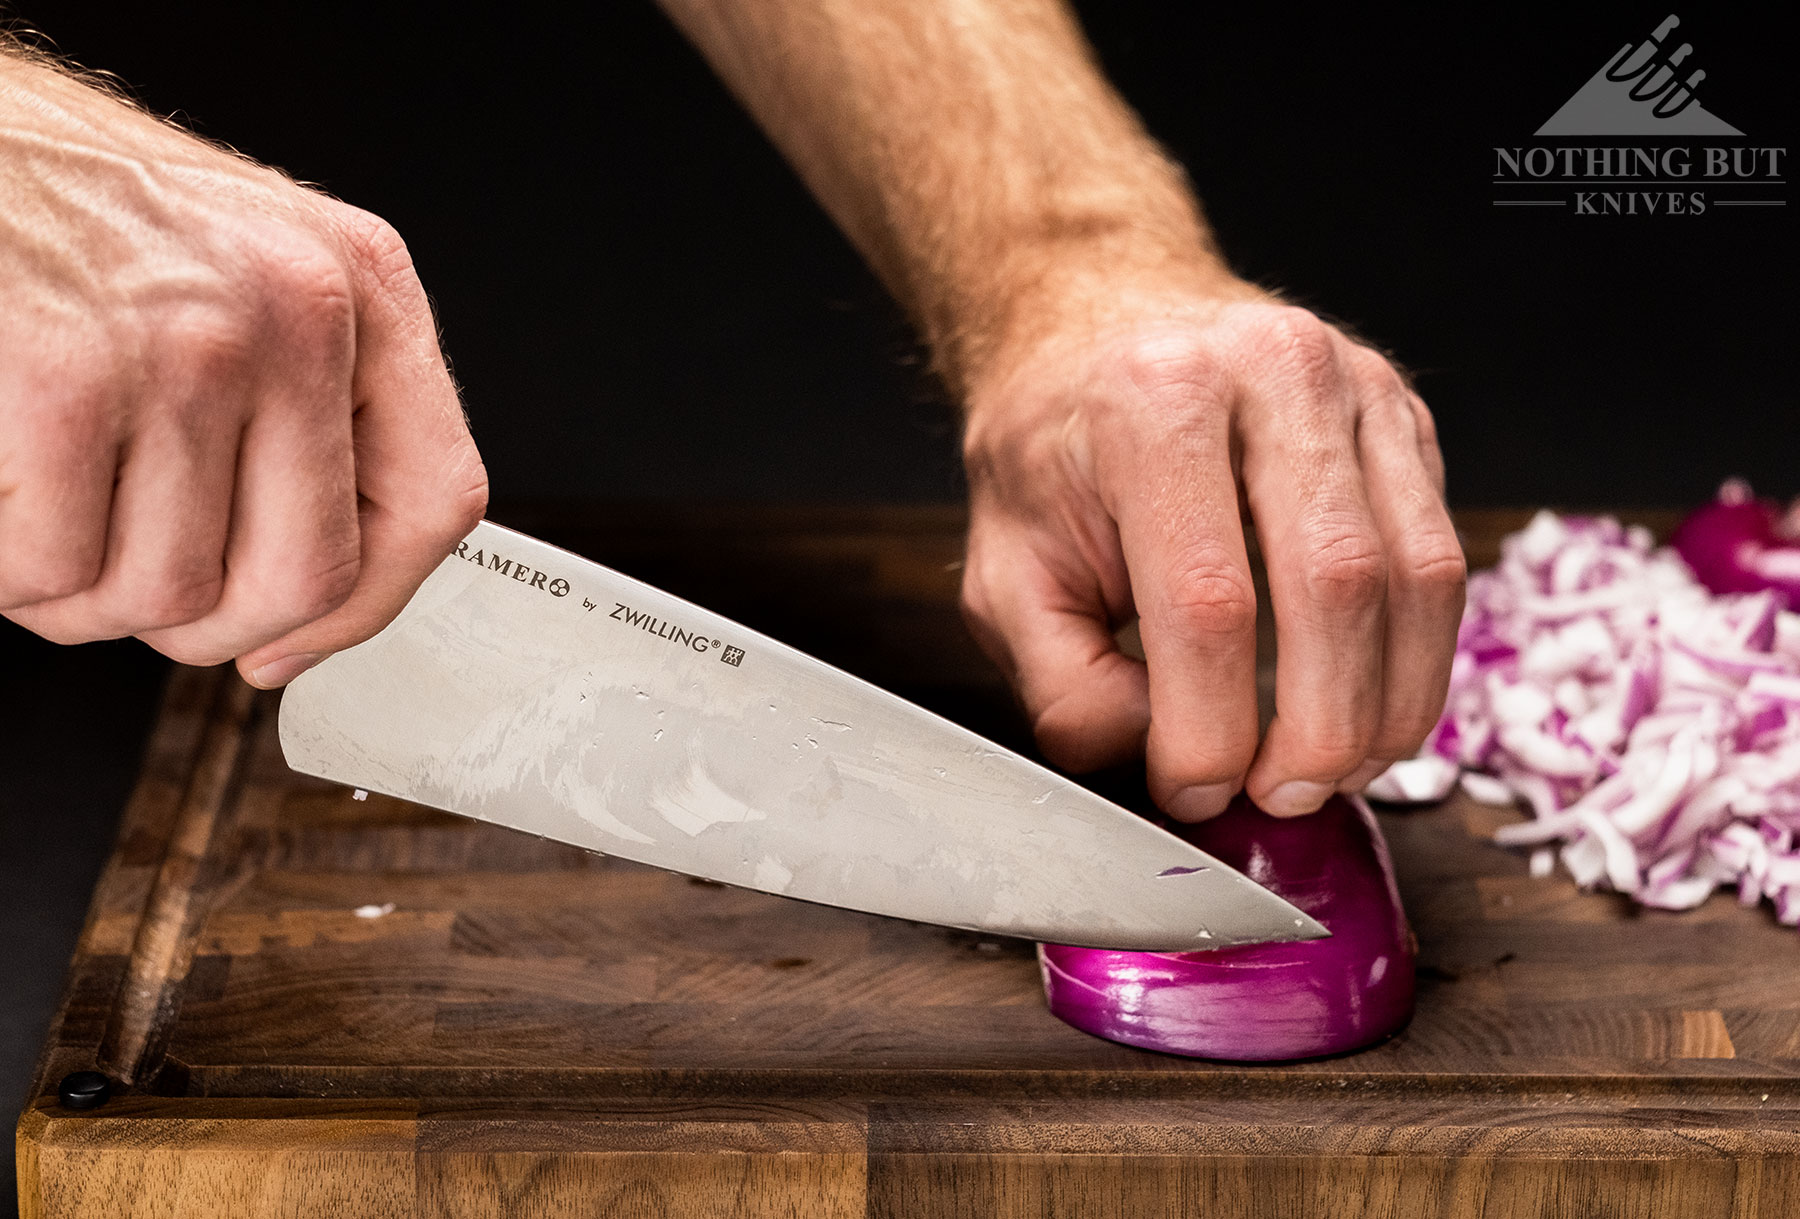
pixel 1741 544
pixel 1262 1002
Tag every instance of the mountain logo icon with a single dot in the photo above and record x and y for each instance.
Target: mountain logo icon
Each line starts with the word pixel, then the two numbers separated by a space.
pixel 1643 90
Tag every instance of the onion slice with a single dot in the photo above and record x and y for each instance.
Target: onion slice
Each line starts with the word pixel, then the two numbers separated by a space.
pixel 1262 1002
pixel 1421 780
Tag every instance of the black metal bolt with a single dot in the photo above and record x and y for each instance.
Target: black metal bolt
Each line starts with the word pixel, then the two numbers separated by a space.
pixel 83 1090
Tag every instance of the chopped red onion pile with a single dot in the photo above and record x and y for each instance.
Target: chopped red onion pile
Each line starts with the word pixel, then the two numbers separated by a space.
pixel 1652 726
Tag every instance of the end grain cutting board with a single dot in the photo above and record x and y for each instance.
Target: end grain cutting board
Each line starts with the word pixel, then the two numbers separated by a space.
pixel 535 1031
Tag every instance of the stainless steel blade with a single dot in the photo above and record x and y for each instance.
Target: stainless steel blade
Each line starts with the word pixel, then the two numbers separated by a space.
pixel 531 688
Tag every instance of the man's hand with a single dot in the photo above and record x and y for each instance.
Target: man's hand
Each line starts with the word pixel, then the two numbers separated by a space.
pixel 225 424
pixel 1108 466
pixel 1128 401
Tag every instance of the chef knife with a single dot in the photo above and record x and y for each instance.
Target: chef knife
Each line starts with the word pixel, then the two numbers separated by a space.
pixel 526 686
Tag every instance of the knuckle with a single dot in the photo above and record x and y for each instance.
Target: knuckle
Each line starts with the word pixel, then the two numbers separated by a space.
pixel 1171 351
pixel 325 588
pixel 1059 733
pixel 1082 717
pixel 307 590
pixel 66 634
pixel 209 339
pixel 61 432
pixel 1174 366
pixel 1403 734
pixel 1371 368
pixel 1296 336
pixel 1423 421
pixel 313 288
pixel 176 601
pixel 1222 753
pixel 377 246
pixel 973 603
pixel 1218 761
pixel 1213 600
pixel 461 507
pixel 1432 564
pixel 439 515
pixel 52 579
pixel 307 300
pixel 979 618
pixel 1346 573
pixel 1011 457
pixel 1331 752
pixel 64 384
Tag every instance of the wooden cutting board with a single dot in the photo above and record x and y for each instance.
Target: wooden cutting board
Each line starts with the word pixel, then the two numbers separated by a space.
pixel 534 1031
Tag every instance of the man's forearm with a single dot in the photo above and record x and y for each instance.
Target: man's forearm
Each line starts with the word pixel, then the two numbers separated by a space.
pixel 970 149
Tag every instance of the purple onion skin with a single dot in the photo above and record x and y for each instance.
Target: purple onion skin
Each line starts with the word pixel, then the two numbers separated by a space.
pixel 1262 1002
pixel 1716 539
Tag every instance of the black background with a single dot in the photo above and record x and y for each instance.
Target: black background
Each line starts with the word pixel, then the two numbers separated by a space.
pixel 640 301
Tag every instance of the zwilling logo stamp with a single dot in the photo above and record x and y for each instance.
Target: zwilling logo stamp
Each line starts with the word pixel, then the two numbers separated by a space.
pixel 1646 97
pixel 662 628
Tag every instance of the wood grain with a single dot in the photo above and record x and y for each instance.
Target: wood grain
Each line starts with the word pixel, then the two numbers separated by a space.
pixel 537 1031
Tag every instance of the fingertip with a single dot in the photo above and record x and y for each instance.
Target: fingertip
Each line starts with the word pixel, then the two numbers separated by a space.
pixel 1363 775
pixel 1295 798
pixel 1195 781
pixel 1200 802
pixel 273 674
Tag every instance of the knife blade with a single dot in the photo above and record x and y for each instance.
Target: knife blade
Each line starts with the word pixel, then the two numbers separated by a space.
pixel 529 687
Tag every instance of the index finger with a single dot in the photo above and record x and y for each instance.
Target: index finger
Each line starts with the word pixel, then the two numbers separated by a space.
pixel 1327 583
pixel 419 481
pixel 1190 577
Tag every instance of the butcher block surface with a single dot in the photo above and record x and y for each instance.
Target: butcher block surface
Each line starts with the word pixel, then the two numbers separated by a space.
pixel 531 1030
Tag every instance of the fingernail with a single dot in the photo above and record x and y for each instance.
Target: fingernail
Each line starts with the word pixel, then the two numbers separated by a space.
pixel 1201 801
pixel 281 672
pixel 1295 797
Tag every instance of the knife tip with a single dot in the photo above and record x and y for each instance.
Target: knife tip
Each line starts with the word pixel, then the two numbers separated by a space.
pixel 1309 928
